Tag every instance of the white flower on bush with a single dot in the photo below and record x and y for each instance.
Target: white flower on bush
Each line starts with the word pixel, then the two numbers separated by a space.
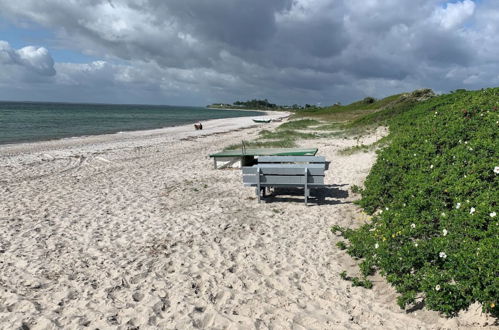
pixel 458 205
pixel 376 245
pixel 444 232
pixel 386 208
pixel 431 166
pixel 492 214
pixel 496 170
pixel 413 225
pixel 442 255
pixel 437 287
pixel 472 210
pixel 416 244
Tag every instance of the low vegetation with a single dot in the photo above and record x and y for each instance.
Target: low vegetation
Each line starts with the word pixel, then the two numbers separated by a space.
pixel 434 196
pixel 299 124
pixel 284 143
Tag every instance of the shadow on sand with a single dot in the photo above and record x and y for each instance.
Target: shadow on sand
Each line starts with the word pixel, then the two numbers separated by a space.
pixel 326 195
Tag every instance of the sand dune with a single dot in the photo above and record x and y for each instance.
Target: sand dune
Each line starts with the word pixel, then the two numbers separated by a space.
pixel 137 230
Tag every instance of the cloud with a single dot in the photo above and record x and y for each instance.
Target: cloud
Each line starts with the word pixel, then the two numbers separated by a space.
pixel 454 14
pixel 36 59
pixel 290 51
pixel 32 59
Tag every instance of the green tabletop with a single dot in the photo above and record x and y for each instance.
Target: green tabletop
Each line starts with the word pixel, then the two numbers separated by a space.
pixel 267 152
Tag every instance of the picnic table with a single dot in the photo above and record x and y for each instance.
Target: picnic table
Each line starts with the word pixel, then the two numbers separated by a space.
pixel 247 156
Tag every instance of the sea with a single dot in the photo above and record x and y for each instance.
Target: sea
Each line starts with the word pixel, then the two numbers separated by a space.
pixel 40 121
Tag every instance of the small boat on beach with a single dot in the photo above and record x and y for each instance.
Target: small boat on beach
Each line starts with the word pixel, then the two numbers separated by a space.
pixel 256 120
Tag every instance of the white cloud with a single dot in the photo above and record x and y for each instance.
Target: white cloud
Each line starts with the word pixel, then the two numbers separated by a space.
pixel 27 61
pixel 37 59
pixel 454 14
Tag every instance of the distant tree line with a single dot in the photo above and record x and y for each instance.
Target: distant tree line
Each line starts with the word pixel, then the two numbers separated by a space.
pixel 256 104
pixel 260 105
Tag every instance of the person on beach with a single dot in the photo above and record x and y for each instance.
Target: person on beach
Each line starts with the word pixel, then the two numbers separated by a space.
pixel 198 125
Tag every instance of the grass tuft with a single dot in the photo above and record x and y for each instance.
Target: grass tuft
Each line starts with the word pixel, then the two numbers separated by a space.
pixel 298 124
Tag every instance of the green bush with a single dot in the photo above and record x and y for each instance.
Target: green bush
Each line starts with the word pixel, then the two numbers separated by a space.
pixel 434 195
pixel 369 100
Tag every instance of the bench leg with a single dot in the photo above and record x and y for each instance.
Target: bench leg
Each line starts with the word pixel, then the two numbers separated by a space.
pixel 258 188
pixel 306 186
pixel 260 192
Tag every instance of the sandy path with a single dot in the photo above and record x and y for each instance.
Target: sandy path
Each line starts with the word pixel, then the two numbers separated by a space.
pixel 139 231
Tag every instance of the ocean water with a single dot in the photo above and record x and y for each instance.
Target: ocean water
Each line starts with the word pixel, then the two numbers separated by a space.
pixel 33 121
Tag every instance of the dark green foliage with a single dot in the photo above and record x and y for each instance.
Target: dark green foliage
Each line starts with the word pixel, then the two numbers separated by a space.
pixel 434 193
pixel 341 245
pixel 369 100
pixel 256 104
pixel 356 189
pixel 365 283
pixel 356 281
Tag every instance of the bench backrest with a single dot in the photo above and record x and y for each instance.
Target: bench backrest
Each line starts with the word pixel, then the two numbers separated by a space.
pixel 286 171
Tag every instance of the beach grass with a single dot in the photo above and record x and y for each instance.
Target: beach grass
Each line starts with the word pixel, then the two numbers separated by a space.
pixel 286 135
pixel 299 124
pixel 355 120
pixel 285 143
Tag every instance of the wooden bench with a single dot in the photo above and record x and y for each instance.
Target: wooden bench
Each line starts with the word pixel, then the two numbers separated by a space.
pixel 285 171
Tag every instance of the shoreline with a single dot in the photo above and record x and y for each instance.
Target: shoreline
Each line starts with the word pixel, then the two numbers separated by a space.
pixel 246 109
pixel 261 113
pixel 212 126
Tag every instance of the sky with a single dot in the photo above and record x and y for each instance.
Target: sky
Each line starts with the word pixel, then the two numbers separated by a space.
pixel 198 52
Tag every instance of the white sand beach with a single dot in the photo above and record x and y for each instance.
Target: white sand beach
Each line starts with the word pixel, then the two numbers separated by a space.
pixel 137 230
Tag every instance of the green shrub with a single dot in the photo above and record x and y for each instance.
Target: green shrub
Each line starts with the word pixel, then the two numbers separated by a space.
pixel 434 195
pixel 341 245
pixel 368 100
pixel 356 189
pixel 356 281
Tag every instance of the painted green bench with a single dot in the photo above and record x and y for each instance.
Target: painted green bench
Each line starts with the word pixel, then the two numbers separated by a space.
pixel 285 171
